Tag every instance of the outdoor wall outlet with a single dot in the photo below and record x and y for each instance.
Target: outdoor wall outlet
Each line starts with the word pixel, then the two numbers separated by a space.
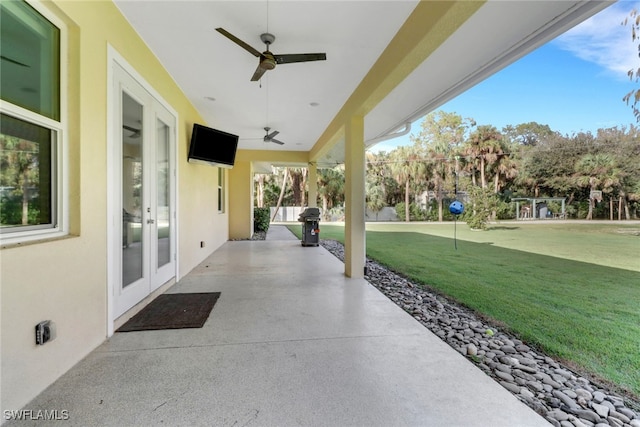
pixel 45 332
pixel 202 243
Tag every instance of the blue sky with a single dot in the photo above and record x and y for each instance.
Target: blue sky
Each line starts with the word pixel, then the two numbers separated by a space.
pixel 573 83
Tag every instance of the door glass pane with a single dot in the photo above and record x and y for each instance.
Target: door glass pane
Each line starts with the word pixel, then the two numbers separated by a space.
pixel 162 182
pixel 132 191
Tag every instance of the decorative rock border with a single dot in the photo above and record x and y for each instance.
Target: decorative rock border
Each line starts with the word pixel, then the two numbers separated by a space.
pixel 257 235
pixel 563 397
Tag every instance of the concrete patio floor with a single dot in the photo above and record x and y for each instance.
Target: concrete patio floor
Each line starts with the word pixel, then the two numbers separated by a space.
pixel 290 342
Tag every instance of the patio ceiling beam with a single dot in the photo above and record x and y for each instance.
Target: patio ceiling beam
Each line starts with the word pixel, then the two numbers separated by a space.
pixel 428 26
pixel 283 157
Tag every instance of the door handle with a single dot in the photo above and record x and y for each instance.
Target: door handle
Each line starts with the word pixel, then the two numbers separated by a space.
pixel 151 221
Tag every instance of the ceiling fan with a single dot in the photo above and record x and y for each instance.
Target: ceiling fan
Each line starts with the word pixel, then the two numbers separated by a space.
pixel 270 137
pixel 13 61
pixel 268 60
pixel 135 132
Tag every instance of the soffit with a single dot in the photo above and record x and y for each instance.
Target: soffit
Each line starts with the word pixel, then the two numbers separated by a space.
pixel 354 34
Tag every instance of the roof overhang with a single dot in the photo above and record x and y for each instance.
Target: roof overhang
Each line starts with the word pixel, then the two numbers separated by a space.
pixel 391 62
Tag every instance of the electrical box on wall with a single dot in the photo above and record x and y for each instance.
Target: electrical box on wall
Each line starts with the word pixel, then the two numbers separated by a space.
pixel 45 332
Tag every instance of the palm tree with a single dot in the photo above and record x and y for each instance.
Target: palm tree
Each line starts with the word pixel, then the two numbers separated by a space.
pixel 440 136
pixel 282 190
pixel 482 149
pixel 408 166
pixel 505 169
pixel 626 152
pixel 374 184
pixel 597 171
pixel 259 179
pixel 330 188
pixel 19 168
pixel 375 197
pixel 298 181
pixel 441 173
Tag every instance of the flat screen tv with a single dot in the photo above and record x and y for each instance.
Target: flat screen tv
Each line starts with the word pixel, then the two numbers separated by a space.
pixel 212 146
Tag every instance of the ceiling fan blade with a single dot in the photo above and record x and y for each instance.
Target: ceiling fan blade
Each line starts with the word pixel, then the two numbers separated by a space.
pixel 299 57
pixel 135 133
pixel 239 42
pixel 13 61
pixel 130 128
pixel 258 74
pixel 276 141
pixel 272 134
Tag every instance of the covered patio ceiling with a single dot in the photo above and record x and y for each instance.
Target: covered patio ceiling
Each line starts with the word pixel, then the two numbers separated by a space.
pixel 391 62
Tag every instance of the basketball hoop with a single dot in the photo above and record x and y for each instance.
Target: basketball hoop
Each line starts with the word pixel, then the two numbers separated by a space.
pixel 596 195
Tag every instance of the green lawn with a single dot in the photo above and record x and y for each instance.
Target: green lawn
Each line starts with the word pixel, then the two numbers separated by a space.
pixel 572 290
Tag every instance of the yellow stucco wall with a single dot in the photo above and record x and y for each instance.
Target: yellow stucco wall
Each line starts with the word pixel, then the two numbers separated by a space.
pixel 241 200
pixel 65 280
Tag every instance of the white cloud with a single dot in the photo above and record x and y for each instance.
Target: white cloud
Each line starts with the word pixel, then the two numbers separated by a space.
pixel 602 40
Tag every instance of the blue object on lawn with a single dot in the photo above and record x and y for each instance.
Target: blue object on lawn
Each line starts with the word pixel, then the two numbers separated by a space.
pixel 456 208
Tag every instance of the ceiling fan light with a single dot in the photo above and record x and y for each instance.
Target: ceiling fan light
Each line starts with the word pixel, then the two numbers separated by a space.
pixel 268 64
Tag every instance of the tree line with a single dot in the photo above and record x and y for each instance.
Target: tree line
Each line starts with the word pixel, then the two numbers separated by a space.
pixel 452 157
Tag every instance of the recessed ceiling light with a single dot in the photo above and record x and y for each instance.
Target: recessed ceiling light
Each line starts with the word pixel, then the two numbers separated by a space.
pixel 314 104
pixel 209 98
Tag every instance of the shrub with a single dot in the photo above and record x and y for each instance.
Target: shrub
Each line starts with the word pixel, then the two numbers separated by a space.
pixel 582 209
pixel 261 219
pixel 477 212
pixel 555 207
pixel 505 210
pixel 400 211
pixel 336 213
pixel 415 212
pixel 432 211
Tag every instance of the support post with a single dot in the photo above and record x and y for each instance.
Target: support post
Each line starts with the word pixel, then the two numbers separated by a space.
pixel 354 232
pixel 241 201
pixel 312 199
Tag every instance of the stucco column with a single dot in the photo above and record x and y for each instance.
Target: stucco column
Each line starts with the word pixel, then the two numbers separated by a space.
pixel 354 230
pixel 312 179
pixel 240 191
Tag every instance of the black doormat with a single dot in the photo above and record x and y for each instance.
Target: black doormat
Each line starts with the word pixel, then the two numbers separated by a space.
pixel 173 311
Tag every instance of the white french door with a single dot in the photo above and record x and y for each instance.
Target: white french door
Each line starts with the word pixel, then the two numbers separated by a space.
pixel 143 205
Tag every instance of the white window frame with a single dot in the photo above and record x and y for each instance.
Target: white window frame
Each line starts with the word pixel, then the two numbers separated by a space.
pixel 60 150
